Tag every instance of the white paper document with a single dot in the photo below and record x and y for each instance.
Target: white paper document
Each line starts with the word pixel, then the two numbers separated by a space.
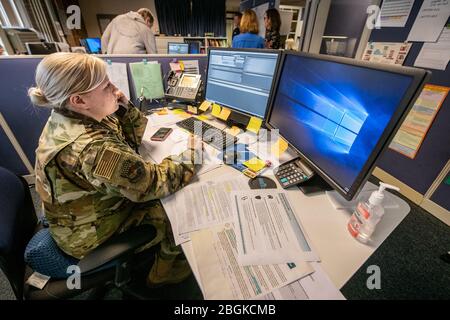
pixel 315 286
pixel 268 229
pixel 169 204
pixel 430 20
pixel 207 204
pixel 223 278
pixel 395 13
pixel 435 55
pixel 118 75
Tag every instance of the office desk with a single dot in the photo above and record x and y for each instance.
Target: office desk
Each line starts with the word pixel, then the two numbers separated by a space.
pixel 341 255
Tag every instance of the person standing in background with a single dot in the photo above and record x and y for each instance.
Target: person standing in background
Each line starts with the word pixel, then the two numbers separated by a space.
pixel 130 33
pixel 248 38
pixel 236 22
pixel 272 22
pixel 1 50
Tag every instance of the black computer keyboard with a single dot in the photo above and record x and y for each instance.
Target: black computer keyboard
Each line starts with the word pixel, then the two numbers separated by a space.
pixel 210 134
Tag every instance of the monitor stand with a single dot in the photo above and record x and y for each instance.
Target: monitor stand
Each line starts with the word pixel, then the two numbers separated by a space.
pixel 314 185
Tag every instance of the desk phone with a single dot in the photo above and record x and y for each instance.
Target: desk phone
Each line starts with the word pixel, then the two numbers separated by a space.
pixel 183 86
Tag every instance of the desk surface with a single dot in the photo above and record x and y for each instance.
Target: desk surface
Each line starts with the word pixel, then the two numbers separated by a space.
pixel 341 255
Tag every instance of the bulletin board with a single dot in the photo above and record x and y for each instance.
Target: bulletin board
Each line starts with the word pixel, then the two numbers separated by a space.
pixel 419 173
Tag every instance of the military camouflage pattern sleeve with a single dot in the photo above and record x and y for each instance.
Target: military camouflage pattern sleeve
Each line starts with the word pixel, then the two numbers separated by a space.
pixel 132 117
pixel 115 169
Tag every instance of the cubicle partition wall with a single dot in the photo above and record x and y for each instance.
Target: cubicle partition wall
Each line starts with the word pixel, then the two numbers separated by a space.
pixel 421 172
pixel 21 123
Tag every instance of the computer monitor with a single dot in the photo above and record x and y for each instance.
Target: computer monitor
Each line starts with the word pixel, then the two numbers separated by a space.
pixel 194 47
pixel 41 47
pixel 340 113
pixel 94 45
pixel 241 79
pixel 177 48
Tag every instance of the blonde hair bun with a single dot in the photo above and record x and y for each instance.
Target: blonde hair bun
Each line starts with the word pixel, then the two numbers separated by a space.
pixel 37 97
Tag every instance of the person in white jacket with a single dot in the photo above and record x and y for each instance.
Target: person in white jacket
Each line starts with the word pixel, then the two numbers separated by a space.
pixel 130 33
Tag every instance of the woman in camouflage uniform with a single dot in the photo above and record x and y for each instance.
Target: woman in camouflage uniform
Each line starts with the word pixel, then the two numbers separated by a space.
pixel 91 181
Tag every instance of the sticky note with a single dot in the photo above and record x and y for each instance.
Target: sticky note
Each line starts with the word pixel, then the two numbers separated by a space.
pixel 215 110
pixel 162 112
pixel 204 106
pixel 224 114
pixel 254 125
pixel 255 164
pixel 234 131
pixel 203 118
pixel 181 65
pixel 279 147
pixel 192 109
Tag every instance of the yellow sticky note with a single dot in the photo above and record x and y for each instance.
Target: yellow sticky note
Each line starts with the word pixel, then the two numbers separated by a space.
pixel 203 118
pixel 215 110
pixel 254 125
pixel 279 147
pixel 181 65
pixel 234 131
pixel 224 114
pixel 204 106
pixel 255 164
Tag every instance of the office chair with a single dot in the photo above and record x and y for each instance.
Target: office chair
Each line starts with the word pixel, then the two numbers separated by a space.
pixel 109 265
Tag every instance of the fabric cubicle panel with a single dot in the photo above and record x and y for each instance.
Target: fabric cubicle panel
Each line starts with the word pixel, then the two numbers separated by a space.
pixel 27 121
pixel 419 173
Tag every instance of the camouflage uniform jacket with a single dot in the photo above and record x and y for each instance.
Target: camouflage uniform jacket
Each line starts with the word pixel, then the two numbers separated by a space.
pixel 90 178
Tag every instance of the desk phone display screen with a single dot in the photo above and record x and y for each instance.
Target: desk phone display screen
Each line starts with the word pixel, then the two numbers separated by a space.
pixel 241 80
pixel 334 113
pixel 189 81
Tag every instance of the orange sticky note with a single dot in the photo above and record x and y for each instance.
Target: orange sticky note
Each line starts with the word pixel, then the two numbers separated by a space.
pixel 224 114
pixel 234 131
pixel 215 110
pixel 279 147
pixel 162 112
pixel 254 125
pixel 204 106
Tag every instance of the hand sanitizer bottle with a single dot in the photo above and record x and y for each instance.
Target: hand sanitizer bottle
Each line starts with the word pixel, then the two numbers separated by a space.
pixel 367 215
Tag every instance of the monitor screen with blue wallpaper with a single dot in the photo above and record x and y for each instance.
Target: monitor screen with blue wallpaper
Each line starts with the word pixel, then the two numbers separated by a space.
pixel 335 113
pixel 94 45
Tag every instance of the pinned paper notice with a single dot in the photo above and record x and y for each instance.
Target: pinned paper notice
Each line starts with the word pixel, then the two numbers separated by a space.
pixel 279 147
pixel 205 106
pixel 224 114
pixel 215 110
pixel 255 164
pixel 254 125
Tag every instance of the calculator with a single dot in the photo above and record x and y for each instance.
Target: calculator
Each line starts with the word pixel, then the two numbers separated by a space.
pixel 292 173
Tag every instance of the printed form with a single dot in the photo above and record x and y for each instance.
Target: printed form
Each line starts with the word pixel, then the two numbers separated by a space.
pixel 223 278
pixel 268 229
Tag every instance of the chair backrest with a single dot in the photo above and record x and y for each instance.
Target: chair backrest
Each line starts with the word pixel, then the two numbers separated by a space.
pixel 17 224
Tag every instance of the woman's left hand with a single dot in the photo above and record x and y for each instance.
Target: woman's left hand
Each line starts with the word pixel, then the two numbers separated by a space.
pixel 121 98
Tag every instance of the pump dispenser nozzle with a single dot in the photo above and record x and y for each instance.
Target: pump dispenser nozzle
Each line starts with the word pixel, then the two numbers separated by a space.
pixel 376 198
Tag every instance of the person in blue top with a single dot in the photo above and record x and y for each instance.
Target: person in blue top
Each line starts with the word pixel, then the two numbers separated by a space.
pixel 248 38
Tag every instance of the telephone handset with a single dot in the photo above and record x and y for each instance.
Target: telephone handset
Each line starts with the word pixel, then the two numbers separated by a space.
pixel 183 86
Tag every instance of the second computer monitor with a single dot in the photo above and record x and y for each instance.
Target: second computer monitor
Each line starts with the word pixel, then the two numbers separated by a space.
pixel 341 113
pixel 177 48
pixel 241 79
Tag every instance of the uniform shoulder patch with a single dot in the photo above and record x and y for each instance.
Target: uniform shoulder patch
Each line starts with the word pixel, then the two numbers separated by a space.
pixel 133 170
pixel 107 164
